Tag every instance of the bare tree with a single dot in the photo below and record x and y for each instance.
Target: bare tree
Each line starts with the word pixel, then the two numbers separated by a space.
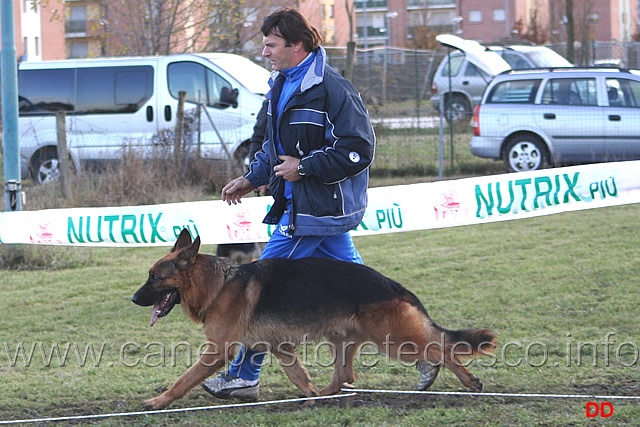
pixel 351 44
pixel 160 27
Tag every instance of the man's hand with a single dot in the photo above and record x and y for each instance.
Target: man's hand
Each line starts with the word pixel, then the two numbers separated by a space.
pixel 288 169
pixel 234 190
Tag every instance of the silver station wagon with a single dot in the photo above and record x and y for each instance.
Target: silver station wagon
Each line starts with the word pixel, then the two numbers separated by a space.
pixel 458 83
pixel 539 118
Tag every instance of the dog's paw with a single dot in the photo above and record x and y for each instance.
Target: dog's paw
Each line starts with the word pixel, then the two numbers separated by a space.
pixel 153 404
pixel 477 385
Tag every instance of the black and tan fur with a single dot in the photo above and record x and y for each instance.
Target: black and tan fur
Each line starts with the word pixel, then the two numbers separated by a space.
pixel 280 302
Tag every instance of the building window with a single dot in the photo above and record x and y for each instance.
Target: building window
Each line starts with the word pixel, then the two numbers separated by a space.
pixel 78 21
pixel 79 50
pixel 499 15
pixel 37 48
pixel 475 16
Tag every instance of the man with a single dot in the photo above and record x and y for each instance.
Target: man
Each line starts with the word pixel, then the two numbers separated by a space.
pixel 316 156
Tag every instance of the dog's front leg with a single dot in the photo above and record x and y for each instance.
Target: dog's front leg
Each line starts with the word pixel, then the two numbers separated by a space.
pixel 208 363
pixel 295 370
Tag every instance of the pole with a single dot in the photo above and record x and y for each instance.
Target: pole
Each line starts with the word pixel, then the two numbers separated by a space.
pixel 366 32
pixel 9 70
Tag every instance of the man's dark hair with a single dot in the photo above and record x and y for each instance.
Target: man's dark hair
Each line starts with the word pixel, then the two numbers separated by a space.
pixel 293 27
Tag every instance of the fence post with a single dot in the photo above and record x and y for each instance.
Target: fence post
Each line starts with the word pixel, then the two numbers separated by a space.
pixel 177 142
pixel 63 153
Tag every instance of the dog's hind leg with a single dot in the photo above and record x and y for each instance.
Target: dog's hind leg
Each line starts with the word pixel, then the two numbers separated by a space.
pixel 467 379
pixel 295 370
pixel 209 363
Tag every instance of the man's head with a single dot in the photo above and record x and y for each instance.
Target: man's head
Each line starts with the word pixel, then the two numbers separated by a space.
pixel 288 38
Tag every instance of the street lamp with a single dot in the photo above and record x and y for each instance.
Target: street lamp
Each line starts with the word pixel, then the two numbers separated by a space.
pixel 456 23
pixel 388 17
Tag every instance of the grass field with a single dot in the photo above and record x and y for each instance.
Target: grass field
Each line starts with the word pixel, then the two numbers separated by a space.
pixel 561 291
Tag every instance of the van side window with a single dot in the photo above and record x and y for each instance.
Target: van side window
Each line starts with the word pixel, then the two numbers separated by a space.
pixel 112 90
pixel 97 90
pixel 45 91
pixel 200 83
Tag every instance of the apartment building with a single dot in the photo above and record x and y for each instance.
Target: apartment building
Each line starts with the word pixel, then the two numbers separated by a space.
pixel 400 22
pixel 87 28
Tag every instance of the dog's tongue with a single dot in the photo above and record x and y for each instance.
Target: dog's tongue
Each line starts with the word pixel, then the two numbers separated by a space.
pixel 154 314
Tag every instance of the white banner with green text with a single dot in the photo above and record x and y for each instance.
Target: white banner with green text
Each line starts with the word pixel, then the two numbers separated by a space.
pixel 391 209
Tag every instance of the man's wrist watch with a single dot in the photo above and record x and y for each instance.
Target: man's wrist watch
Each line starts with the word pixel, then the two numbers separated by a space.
pixel 301 171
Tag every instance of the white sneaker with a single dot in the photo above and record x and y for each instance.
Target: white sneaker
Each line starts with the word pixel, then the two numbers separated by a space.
pixel 428 374
pixel 226 386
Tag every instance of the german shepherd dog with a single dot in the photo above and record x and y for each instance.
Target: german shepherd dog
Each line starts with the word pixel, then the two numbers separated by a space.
pixel 274 304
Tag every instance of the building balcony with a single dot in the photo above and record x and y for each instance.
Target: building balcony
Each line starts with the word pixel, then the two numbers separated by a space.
pixel 75 27
pixel 84 28
pixel 428 4
pixel 371 4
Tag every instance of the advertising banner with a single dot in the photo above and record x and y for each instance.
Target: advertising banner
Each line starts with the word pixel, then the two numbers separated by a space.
pixel 391 209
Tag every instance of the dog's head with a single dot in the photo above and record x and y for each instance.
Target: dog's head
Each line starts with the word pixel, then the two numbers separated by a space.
pixel 162 288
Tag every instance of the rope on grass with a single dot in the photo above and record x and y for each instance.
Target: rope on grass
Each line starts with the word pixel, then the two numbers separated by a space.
pixel 349 392
pixel 488 394
pixel 177 410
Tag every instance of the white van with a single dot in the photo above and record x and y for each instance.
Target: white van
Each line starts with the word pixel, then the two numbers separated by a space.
pixel 112 103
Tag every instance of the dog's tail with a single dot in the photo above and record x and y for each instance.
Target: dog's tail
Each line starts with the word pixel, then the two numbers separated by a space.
pixel 466 343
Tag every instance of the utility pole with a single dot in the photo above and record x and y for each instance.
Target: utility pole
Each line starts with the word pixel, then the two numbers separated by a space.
pixel 570 29
pixel 13 186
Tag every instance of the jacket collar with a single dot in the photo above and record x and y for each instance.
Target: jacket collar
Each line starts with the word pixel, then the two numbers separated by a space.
pixel 314 74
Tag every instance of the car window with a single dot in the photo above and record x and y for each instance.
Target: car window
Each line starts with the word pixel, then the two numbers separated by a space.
pixel 575 91
pixel 516 61
pixel 200 83
pixel 473 71
pixel 188 77
pixel 623 92
pixel 514 91
pixel 547 58
pixel 455 62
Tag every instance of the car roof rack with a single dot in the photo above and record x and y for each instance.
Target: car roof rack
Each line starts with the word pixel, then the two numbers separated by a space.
pixel 568 69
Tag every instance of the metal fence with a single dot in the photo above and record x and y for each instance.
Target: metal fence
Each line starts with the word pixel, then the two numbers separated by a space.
pixel 389 76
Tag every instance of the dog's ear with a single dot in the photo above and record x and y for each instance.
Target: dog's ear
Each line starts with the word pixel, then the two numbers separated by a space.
pixel 187 255
pixel 184 240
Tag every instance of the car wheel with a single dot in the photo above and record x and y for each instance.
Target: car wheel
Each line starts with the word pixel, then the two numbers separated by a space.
pixel 525 153
pixel 457 109
pixel 45 166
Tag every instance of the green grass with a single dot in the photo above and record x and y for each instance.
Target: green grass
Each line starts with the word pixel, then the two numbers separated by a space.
pixel 552 287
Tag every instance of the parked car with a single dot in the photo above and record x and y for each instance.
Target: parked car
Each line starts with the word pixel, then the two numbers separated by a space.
pixel 537 118
pixel 459 83
pixel 115 103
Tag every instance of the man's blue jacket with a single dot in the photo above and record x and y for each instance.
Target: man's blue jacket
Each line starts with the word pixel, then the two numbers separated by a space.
pixel 326 125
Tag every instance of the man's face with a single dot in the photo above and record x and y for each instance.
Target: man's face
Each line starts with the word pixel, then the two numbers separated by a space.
pixel 279 55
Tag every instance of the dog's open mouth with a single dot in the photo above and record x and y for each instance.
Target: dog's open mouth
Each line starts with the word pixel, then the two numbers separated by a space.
pixel 165 305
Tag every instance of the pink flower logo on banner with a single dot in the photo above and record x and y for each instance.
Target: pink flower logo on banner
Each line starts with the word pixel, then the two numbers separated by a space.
pixel 450 208
pixel 241 227
pixel 43 236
